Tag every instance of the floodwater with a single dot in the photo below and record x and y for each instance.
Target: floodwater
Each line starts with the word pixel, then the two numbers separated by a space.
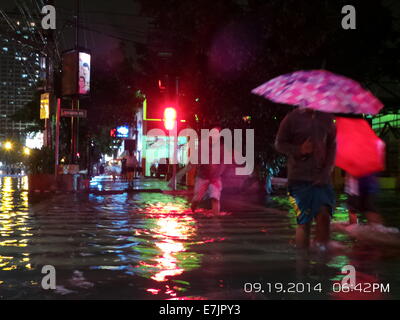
pixel 150 246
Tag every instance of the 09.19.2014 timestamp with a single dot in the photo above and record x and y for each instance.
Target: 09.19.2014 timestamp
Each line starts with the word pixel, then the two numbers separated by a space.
pixel 279 287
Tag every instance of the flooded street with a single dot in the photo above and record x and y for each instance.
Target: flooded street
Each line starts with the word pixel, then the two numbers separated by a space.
pixel 149 245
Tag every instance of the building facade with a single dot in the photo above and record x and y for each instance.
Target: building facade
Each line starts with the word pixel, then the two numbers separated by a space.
pixel 19 73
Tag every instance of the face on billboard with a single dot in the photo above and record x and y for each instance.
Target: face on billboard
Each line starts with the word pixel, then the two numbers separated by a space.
pixel 84 73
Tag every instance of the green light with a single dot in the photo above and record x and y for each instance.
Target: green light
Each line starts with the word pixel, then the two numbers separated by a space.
pixel 379 121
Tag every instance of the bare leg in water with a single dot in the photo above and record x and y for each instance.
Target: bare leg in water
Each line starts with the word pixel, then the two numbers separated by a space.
pixel 322 233
pixel 194 206
pixel 303 235
pixel 374 218
pixel 215 206
pixel 130 179
pixel 353 219
pixel 322 236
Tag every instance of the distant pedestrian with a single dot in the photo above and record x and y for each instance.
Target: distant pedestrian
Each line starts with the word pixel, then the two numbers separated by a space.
pixel 123 170
pixel 131 166
pixel 114 170
pixel 101 169
pixel 361 194
pixel 308 138
pixel 153 170
pixel 268 181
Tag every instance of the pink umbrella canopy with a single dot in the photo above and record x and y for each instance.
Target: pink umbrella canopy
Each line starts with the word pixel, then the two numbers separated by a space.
pixel 360 152
pixel 320 90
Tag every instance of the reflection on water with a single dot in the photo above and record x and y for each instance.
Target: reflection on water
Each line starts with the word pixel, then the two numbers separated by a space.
pixel 143 235
pixel 173 231
pixel 151 246
pixel 14 229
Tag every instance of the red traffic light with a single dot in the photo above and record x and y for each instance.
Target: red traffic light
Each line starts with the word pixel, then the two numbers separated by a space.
pixel 161 85
pixel 163 82
pixel 169 118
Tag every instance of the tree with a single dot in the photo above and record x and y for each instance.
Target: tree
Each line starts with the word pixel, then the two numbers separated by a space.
pixel 30 113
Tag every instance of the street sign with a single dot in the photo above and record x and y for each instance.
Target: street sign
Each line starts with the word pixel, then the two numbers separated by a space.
pixel 73 113
pixel 122 132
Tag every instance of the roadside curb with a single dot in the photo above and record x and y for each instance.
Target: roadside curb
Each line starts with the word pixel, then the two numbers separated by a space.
pixel 56 192
pixel 106 192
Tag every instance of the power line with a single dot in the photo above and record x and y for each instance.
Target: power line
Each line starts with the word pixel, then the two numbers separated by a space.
pixel 105 12
pixel 28 19
pixel 17 35
pixel 109 35
pixel 84 21
pixel 133 32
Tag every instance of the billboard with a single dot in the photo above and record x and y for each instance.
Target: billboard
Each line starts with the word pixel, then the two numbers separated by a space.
pixel 84 73
pixel 122 132
pixel 76 73
pixel 44 106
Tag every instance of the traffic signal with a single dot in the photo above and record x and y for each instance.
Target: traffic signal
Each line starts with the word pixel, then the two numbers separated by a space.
pixel 163 83
pixel 169 118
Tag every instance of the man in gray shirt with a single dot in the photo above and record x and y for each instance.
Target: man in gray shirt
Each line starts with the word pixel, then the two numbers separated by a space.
pixel 308 138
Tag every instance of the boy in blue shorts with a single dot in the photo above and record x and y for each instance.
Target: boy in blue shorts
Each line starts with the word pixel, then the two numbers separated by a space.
pixel 308 138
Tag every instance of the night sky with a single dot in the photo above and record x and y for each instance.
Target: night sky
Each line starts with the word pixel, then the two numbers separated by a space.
pixel 103 24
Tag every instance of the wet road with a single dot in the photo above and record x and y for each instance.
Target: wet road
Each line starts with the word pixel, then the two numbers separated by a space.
pixel 150 246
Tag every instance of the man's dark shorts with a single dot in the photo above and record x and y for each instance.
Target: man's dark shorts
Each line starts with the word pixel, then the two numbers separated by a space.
pixel 308 199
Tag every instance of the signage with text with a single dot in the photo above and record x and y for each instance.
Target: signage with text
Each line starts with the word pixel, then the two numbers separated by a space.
pixel 44 106
pixel 73 113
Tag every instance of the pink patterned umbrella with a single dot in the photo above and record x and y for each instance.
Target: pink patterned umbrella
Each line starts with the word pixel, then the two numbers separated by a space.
pixel 320 90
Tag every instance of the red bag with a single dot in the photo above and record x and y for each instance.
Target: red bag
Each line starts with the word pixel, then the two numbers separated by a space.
pixel 359 150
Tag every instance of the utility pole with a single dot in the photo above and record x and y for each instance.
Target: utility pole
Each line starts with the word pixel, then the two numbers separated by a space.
pixel 75 99
pixel 57 139
pixel 49 87
pixel 175 138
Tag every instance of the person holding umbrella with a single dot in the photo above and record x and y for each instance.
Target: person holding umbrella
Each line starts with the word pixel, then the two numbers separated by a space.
pixel 361 193
pixel 356 136
pixel 307 136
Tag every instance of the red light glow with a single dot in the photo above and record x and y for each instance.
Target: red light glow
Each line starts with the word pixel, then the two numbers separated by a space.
pixel 169 118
